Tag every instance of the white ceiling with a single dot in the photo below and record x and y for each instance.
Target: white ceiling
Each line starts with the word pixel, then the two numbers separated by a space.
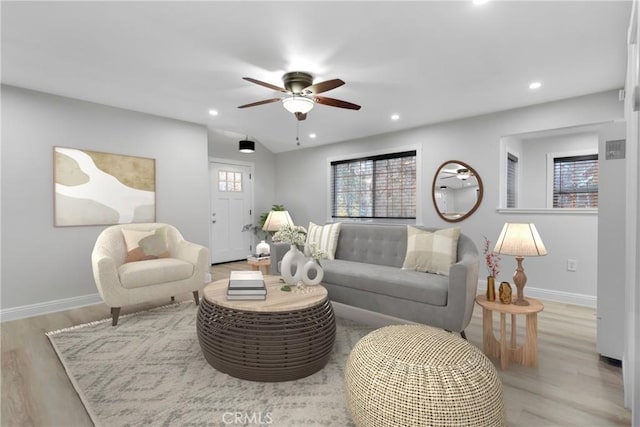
pixel 426 61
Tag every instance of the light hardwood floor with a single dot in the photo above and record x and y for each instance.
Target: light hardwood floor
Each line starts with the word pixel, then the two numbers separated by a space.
pixel 572 386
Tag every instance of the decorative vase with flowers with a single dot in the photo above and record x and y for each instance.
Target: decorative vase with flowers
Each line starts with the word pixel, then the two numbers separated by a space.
pixel 294 235
pixel 492 262
pixel 313 264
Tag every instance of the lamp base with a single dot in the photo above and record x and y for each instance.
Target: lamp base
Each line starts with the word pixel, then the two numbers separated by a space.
pixel 520 279
pixel 520 302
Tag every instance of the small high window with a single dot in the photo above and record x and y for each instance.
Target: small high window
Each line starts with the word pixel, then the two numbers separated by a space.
pixel 230 181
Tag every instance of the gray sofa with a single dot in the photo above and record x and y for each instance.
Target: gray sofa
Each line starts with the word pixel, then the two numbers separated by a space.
pixel 367 273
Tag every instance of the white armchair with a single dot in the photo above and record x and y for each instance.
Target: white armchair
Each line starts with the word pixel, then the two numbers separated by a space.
pixel 123 283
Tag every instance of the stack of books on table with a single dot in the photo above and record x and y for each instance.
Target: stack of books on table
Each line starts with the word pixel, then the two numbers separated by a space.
pixel 246 285
pixel 258 257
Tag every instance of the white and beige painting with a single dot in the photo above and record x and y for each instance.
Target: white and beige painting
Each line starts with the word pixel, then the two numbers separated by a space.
pixel 93 188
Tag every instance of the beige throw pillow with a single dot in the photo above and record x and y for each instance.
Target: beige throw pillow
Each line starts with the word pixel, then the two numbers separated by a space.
pixel 144 245
pixel 431 251
pixel 322 237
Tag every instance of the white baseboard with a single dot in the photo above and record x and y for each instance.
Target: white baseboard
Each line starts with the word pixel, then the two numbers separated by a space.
pixel 31 310
pixel 551 295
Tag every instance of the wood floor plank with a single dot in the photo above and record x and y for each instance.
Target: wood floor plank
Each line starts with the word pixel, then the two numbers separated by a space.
pixel 572 385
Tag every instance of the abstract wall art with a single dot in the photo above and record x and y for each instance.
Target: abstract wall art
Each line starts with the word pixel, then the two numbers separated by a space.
pixel 94 188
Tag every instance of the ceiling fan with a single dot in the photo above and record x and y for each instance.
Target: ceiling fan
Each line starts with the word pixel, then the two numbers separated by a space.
pixel 460 173
pixel 302 94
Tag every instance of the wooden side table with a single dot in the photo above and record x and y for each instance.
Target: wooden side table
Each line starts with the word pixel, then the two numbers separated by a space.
pixel 262 265
pixel 527 353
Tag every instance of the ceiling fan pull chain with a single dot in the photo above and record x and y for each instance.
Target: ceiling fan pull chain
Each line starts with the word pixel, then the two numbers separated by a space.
pixel 298 133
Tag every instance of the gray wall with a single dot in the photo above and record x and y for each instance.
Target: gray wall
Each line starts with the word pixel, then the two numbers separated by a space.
pixel 41 262
pixel 302 177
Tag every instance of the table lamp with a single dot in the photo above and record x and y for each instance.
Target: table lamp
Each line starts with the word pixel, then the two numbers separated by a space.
pixel 277 219
pixel 520 240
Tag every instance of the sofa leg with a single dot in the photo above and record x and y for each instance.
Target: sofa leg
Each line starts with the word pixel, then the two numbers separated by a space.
pixel 196 297
pixel 115 313
pixel 173 299
pixel 463 335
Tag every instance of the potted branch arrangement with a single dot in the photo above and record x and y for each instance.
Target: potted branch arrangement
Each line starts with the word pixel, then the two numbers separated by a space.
pixel 492 262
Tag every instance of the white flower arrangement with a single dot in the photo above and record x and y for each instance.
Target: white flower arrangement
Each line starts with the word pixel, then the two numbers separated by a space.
pixel 292 234
pixel 317 254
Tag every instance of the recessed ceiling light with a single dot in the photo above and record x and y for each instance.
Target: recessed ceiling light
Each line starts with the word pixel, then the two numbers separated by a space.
pixel 312 135
pixel 213 112
pixel 395 117
pixel 479 2
pixel 535 85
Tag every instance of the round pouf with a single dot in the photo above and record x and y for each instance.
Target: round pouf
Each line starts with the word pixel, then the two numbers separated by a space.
pixel 414 375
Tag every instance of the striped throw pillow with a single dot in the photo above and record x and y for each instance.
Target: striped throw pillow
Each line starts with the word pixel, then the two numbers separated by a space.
pixel 322 237
pixel 431 251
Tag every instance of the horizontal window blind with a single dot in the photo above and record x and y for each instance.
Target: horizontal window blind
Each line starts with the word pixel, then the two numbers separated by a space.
pixel 381 186
pixel 512 181
pixel 575 182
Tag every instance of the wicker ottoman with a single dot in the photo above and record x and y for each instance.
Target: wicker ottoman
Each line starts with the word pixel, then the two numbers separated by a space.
pixel 414 375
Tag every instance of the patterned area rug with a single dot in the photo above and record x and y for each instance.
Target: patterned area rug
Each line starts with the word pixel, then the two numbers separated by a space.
pixel 150 370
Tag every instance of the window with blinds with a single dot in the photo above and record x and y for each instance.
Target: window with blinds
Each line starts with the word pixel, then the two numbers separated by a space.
pixel 382 186
pixel 575 182
pixel 512 181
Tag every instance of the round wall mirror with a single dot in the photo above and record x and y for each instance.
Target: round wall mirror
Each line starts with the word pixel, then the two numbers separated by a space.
pixel 457 191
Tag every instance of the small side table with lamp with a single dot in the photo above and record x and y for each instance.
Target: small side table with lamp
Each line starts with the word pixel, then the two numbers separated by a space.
pixel 520 240
pixel 275 220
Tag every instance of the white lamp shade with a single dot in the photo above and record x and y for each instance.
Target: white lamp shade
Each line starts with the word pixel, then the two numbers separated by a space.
pixel 298 104
pixel 276 219
pixel 520 239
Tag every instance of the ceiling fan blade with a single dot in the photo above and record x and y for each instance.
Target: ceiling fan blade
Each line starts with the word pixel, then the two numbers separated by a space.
pixel 301 116
pixel 254 104
pixel 323 86
pixel 265 84
pixel 336 103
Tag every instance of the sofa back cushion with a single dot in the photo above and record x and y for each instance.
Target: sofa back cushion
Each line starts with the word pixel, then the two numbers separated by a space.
pixel 384 244
pixel 372 244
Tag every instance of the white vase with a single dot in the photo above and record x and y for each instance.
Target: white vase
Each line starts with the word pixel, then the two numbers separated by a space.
pixel 312 265
pixel 292 259
pixel 263 248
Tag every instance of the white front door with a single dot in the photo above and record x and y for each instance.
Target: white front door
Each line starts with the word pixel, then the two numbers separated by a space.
pixel 231 200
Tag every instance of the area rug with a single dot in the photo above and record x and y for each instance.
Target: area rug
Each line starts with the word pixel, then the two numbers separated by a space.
pixel 149 370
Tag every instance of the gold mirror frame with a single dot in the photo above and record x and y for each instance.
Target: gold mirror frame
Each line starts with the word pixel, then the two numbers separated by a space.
pixel 450 170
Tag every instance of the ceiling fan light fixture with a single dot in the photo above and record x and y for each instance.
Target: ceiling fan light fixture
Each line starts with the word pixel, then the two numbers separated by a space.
pixel 298 104
pixel 246 146
pixel 463 174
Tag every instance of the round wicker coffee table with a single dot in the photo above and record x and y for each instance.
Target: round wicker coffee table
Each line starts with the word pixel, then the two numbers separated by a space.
pixel 288 336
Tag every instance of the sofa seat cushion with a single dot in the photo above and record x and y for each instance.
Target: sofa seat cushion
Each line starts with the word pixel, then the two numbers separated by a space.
pixel 155 271
pixel 417 286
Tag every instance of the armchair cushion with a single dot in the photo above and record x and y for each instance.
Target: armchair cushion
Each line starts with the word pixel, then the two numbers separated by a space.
pixel 152 272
